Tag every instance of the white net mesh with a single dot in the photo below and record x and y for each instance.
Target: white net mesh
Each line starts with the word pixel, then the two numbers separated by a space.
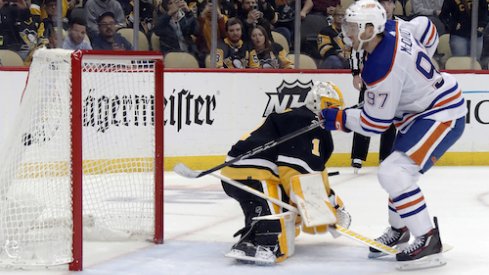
pixel 118 158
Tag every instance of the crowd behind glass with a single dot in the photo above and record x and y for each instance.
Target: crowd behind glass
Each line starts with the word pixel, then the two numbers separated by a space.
pixel 248 33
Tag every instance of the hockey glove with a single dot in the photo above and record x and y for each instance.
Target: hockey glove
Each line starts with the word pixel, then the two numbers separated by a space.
pixel 333 119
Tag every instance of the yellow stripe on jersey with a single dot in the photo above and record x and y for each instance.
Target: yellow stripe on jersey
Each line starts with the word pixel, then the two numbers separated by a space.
pixel 286 173
pixel 248 173
pixel 273 190
pixel 325 176
pixel 282 241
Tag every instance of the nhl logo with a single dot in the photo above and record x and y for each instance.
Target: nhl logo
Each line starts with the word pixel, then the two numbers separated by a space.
pixel 288 95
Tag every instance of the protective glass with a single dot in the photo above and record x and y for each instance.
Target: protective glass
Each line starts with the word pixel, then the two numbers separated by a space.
pixel 349 29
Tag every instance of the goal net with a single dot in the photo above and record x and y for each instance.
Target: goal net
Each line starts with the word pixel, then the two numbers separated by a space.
pixel 84 157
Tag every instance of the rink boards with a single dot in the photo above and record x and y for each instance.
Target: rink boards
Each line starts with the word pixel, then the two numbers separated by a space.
pixel 207 111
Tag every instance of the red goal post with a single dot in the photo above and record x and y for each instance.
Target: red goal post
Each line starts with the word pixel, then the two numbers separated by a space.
pixel 85 157
pixel 77 73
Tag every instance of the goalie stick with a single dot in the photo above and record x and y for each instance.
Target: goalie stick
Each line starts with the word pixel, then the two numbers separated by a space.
pixel 184 171
pixel 337 228
pixel 181 169
pixel 195 174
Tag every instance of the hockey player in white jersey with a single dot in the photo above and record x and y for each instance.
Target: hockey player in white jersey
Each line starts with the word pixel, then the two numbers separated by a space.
pixel 427 108
pixel 425 32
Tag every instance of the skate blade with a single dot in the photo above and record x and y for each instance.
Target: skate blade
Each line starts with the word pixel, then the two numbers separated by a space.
pixel 241 257
pixel 376 255
pixel 431 261
pixel 447 247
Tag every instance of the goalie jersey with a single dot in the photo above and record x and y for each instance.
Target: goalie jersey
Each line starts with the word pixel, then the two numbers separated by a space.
pixel 306 153
pixel 403 86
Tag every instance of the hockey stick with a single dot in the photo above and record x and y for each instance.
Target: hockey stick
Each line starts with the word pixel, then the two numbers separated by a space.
pixel 338 229
pixel 365 240
pixel 255 192
pixel 182 170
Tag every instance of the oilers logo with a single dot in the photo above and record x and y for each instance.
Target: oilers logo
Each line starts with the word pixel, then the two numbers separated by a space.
pixel 288 95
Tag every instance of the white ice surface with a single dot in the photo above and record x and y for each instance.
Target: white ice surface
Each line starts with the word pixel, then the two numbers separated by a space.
pixel 200 220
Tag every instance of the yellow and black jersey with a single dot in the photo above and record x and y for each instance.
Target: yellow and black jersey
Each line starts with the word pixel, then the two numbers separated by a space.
pixel 229 56
pixel 274 59
pixel 45 28
pixel 38 12
pixel 330 42
pixel 28 33
pixel 306 153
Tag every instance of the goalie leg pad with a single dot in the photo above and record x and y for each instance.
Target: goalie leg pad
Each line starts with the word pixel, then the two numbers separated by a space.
pixel 278 233
pixel 270 239
pixel 252 205
pixel 311 195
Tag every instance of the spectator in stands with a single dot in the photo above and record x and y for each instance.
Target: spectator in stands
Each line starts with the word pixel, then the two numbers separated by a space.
pixel 315 15
pixel 95 8
pixel 324 7
pixel 146 10
pixel 333 51
pixel 256 13
pixel 49 22
pixel 232 52
pixel 107 37
pixel 52 39
pixel 457 17
pixel 127 7
pixel 266 54
pixel 389 6
pixel 285 18
pixel 205 24
pixel 18 32
pixel 39 12
pixel 76 35
pixel 9 35
pixel 177 27
pixel 306 8
pixel 229 7
pixel 485 49
pixel 430 9
pixel 49 42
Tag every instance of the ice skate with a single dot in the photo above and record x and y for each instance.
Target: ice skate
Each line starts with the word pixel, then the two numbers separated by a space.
pixel 248 253
pixel 393 237
pixel 357 165
pixel 424 252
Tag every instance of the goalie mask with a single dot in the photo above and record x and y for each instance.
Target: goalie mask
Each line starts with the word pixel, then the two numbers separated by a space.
pixel 324 95
pixel 358 16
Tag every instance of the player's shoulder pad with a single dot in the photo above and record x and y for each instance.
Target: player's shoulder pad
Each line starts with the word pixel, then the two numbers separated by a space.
pixel 426 30
pixel 379 63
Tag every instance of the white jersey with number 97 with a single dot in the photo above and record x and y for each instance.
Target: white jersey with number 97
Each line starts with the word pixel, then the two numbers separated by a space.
pixel 403 86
